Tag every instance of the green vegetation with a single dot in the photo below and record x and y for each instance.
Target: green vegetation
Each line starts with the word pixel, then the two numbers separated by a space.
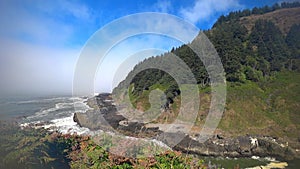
pixel 31 148
pixel 90 155
pixel 293 42
pixel 267 107
pixel 255 11
pixel 246 55
pixel 262 66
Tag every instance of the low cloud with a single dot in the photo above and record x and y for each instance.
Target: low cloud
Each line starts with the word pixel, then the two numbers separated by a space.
pixel 40 45
pixel 31 69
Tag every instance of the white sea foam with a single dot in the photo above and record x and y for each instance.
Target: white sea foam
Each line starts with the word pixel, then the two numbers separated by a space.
pixel 270 159
pixel 60 116
pixel 255 157
pixel 66 125
pixel 40 100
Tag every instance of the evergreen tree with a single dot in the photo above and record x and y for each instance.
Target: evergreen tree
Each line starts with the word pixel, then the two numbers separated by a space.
pixel 270 43
pixel 293 41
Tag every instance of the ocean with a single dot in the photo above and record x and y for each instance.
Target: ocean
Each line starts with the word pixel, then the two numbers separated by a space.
pixel 52 112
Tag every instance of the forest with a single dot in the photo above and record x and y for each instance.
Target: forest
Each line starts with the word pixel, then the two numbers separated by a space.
pixel 247 55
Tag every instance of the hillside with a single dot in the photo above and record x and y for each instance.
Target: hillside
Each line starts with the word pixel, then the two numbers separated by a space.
pixel 282 18
pixel 260 53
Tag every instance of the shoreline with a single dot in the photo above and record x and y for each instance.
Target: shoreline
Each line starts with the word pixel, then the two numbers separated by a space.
pixel 107 119
pixel 183 146
pixel 265 162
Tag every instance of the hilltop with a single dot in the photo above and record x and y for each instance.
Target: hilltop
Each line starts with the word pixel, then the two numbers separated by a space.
pixel 282 18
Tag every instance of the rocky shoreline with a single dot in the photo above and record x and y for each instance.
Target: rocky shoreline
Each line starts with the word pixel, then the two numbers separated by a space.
pixel 104 116
pixel 242 146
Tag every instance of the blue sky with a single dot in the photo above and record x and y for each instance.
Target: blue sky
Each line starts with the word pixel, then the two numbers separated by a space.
pixel 41 40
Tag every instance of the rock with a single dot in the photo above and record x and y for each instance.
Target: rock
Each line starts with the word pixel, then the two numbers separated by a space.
pixel 219 136
pixel 80 119
pixel 75 119
pixel 267 147
pixel 235 147
pixel 104 116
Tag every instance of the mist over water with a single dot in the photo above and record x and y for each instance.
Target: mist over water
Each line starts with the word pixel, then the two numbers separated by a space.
pixel 54 112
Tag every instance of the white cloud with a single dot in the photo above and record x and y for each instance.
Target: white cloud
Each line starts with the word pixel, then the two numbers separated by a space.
pixel 43 22
pixel 34 58
pixel 202 10
pixel 123 55
pixel 74 8
pixel 137 28
pixel 79 11
pixel 163 6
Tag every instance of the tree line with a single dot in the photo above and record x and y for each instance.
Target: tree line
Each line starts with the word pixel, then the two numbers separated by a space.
pixel 246 55
pixel 262 10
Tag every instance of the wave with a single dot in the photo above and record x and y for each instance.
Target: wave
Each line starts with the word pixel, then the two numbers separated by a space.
pixel 66 125
pixel 46 100
pixel 59 116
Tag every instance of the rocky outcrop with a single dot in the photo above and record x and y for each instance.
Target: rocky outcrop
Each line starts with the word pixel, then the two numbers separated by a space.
pixel 104 116
pixel 78 118
pixel 242 146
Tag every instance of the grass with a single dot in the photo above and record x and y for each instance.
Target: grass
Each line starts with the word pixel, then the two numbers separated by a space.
pixel 268 107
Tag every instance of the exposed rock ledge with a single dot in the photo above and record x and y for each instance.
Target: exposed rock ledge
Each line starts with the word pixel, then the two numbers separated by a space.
pixel 242 146
pixel 104 116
